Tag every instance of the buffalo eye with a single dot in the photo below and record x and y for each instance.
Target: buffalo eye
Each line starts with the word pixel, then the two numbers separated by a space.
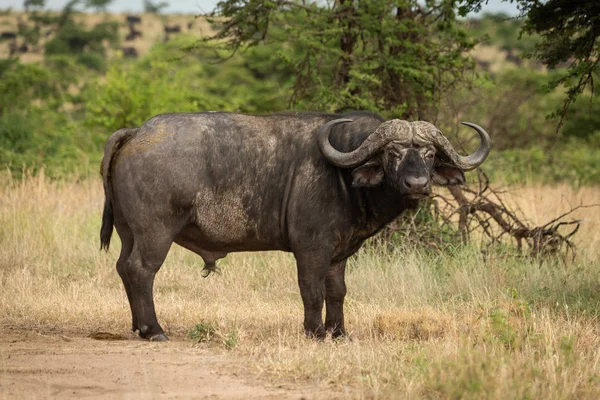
pixel 429 155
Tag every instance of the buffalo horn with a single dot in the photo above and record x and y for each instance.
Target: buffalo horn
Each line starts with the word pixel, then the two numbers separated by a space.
pixel 386 132
pixel 466 163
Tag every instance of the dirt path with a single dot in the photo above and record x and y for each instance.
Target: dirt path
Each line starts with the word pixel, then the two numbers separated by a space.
pixel 33 365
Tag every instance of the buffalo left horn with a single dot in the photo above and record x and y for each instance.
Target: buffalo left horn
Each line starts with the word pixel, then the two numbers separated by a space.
pixel 466 163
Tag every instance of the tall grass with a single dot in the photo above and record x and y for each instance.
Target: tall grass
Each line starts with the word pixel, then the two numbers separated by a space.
pixel 455 325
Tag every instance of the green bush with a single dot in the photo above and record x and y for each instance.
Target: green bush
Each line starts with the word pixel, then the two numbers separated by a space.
pixel 131 95
pixel 166 80
pixel 583 119
pixel 41 138
pixel 573 161
pixel 16 134
pixel 92 61
pixel 58 114
pixel 21 84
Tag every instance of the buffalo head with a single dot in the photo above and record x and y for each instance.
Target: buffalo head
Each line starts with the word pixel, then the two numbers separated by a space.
pixel 407 156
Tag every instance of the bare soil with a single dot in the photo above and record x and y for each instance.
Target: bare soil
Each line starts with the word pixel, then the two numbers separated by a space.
pixel 105 365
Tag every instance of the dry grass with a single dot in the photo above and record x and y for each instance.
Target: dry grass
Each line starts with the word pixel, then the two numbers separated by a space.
pixel 423 326
pixel 542 204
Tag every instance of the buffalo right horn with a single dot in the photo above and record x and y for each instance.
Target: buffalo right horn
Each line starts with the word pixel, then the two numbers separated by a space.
pixel 386 132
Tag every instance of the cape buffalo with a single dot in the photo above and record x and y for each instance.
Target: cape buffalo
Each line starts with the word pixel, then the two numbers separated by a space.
pixel 314 184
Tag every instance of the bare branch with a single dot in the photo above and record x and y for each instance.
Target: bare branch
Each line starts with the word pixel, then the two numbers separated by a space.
pixel 480 211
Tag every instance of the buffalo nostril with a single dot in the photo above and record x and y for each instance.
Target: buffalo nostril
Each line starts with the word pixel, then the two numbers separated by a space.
pixel 416 183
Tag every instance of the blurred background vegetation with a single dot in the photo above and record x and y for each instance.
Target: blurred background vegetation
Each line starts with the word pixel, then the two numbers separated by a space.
pixel 69 79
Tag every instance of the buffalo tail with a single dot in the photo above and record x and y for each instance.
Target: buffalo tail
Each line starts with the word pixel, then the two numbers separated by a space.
pixel 113 144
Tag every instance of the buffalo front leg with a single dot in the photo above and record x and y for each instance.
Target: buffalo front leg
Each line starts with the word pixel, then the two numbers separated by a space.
pixel 312 269
pixel 335 287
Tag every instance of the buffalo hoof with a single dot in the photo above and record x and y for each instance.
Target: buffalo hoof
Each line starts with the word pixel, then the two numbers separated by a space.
pixel 338 334
pixel 341 338
pixel 145 333
pixel 161 337
pixel 318 336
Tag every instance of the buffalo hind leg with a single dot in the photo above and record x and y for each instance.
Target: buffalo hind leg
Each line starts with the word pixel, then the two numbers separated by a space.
pixel 145 260
pixel 312 269
pixel 126 247
pixel 335 287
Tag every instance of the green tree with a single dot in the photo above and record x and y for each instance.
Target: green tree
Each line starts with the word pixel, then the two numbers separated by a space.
pixel 395 57
pixel 33 4
pixel 155 7
pixel 99 5
pixel 503 31
pixel 569 32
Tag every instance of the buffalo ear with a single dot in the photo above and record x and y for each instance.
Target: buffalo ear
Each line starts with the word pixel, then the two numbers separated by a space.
pixel 368 174
pixel 447 175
